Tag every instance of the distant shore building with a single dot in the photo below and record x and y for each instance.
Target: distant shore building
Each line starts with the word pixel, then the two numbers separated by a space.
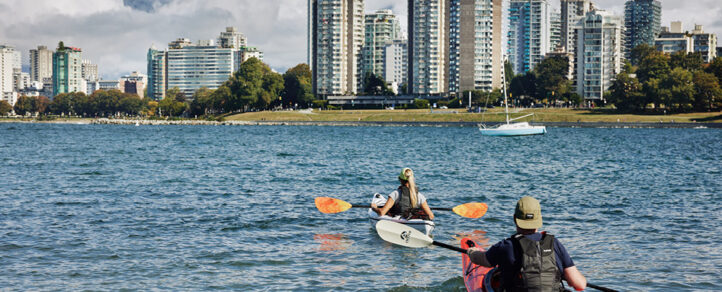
pixel 572 12
pixel 674 39
pixel 529 36
pixel 643 23
pixel 67 70
pixel 133 83
pixel 600 53
pixel 89 70
pixel 381 29
pixel 396 64
pixel 428 47
pixel 41 63
pixel 190 66
pixel 338 36
pixel 7 66
pixel 475 38
pixel 704 43
pixel 157 69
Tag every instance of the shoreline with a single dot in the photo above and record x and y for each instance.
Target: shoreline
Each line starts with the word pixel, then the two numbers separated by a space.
pixel 619 125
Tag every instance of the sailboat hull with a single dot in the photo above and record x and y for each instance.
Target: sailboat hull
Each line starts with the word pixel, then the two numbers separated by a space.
pixel 515 129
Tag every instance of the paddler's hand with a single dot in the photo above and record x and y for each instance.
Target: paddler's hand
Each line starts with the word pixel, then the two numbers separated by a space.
pixel 471 250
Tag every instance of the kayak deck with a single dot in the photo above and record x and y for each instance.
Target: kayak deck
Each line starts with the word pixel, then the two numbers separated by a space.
pixel 475 278
pixel 425 226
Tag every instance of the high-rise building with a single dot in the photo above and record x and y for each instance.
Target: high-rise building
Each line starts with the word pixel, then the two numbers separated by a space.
pixel 89 70
pixel 475 38
pixel 338 35
pixel 157 73
pixel 232 38
pixel 600 53
pixel 41 63
pixel 309 32
pixel 7 64
pixel 555 31
pixel 247 53
pixel 21 80
pixel 192 66
pixel 382 28
pixel 572 12
pixel 67 70
pixel 719 52
pixel 704 43
pixel 396 63
pixel 643 23
pixel 428 46
pixel 529 37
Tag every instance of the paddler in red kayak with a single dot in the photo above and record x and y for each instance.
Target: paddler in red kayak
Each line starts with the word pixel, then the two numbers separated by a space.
pixel 530 260
pixel 406 200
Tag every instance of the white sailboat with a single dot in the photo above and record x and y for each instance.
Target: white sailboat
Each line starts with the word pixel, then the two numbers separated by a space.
pixel 509 128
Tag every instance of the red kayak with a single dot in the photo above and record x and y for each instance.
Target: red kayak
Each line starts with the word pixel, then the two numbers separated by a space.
pixel 475 276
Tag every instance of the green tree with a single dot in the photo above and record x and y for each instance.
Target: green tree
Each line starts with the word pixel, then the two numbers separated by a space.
pixel 202 102
pixel 131 104
pixel 375 85
pixel 715 67
pixel 63 103
pixel 297 86
pixel 640 52
pixel 5 108
pixel 23 105
pixel 679 83
pixel 219 98
pixel 552 77
pixel 626 93
pixel 708 94
pixel 421 103
pixel 654 65
pixel 254 84
pixel 176 94
pixel 524 85
pixel 171 107
pixel 691 62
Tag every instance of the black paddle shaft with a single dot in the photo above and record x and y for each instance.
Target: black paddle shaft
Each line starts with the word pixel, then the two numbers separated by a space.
pixel 451 247
pixel 434 209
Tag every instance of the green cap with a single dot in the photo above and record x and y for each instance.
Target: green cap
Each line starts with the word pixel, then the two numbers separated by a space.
pixel 528 213
pixel 402 176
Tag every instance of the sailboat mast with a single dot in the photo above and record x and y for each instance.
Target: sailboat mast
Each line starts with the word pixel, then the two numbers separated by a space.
pixel 506 104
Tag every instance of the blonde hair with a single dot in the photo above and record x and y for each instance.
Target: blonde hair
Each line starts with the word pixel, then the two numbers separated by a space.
pixel 412 186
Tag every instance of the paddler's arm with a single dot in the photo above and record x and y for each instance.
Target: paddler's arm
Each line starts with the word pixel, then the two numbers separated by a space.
pixel 426 208
pixel 478 257
pixel 575 278
pixel 385 209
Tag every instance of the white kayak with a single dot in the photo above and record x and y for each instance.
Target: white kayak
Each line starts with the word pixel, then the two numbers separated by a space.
pixel 425 226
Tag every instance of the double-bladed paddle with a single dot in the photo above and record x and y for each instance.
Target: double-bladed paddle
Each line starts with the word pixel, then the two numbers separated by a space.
pixel 407 236
pixel 331 205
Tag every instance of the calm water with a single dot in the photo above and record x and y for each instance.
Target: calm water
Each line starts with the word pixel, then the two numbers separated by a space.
pixel 205 208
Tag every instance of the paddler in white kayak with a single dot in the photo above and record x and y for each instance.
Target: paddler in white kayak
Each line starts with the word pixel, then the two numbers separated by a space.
pixel 406 200
pixel 530 260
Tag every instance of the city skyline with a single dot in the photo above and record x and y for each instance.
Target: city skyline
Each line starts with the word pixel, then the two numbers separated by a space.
pixel 116 34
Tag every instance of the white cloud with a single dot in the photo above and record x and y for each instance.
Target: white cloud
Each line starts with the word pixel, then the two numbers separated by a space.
pixel 117 37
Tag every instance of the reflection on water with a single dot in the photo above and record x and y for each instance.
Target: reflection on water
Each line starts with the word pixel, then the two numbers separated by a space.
pixel 478 236
pixel 332 242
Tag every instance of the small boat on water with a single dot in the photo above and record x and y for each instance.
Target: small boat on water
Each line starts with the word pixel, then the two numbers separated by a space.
pixel 424 226
pixel 509 129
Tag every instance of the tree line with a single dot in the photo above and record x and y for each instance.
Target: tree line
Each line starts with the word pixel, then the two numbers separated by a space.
pixel 679 82
pixel 253 87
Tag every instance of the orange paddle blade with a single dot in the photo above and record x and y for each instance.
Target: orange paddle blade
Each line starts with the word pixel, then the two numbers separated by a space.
pixel 471 210
pixel 330 205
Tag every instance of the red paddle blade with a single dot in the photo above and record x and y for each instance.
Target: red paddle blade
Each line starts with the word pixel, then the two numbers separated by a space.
pixel 471 210
pixel 330 205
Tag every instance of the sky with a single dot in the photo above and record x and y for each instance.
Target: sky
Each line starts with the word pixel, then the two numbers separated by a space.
pixel 116 34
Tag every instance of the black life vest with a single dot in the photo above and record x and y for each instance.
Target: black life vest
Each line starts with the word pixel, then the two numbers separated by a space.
pixel 536 265
pixel 402 206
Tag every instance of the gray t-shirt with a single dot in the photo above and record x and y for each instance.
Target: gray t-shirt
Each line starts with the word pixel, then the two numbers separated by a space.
pixel 419 197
